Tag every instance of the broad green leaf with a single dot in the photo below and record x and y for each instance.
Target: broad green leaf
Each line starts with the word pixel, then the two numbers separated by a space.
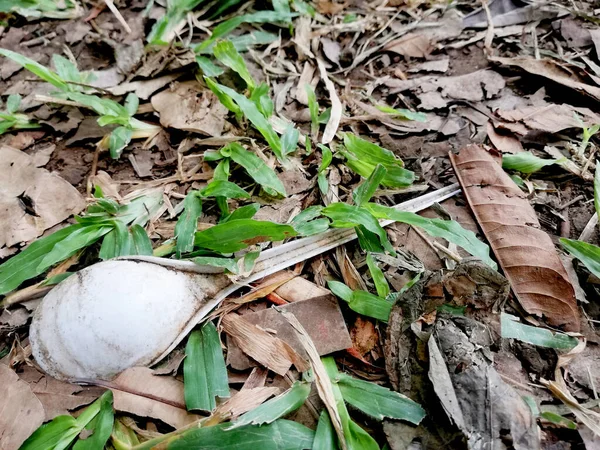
pixel 221 188
pixel 224 98
pixel 246 41
pixel 525 162
pixel 511 328
pixel 139 210
pixel 123 437
pixel 325 438
pixel 313 108
pixel 245 212
pixel 450 230
pixel 225 52
pixel 229 264
pixel 381 284
pixel 36 68
pixel 341 290
pixel 356 437
pixel 141 243
pixel 597 189
pixel 116 243
pixel 402 113
pixel 256 168
pixel 132 103
pixel 209 69
pixel 364 192
pixel 101 426
pixel 222 170
pixel 248 261
pixel 25 265
pixel 78 239
pixel 66 70
pixel 323 183
pixel 279 435
pixel 326 157
pixel 51 434
pixel 378 401
pixel 289 140
pixel 35 9
pixel 111 111
pixel 309 222
pixel 559 420
pixel 588 254
pixel 281 6
pixel 277 407
pixel 187 224
pixel 256 118
pixel 226 27
pixel 204 371
pixel 370 305
pixel 363 156
pixel 368 242
pixel 118 140
pixel 235 235
pixel 348 216
pixel 12 103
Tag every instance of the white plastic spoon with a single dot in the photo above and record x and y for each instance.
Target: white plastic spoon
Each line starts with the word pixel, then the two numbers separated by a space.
pixel 132 312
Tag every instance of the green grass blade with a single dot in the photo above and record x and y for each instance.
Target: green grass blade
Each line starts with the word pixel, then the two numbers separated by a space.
pixel 141 243
pixel 313 108
pixel 204 371
pixel 511 328
pixel 36 68
pixel 525 162
pixel 364 192
pixel 277 407
pixel 381 284
pixel 222 188
pixel 370 305
pixel 116 243
pixel 256 168
pixel 187 224
pixel 325 438
pixel 101 426
pixel 378 401
pixel 245 212
pixel 225 52
pixel 235 235
pixel 450 230
pixel 341 290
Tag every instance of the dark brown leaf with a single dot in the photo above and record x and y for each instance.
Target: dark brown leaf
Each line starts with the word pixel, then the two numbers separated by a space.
pixel 525 252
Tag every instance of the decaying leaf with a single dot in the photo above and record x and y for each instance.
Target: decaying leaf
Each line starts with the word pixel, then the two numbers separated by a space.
pixel 138 391
pixel 20 410
pixel 189 107
pixel 32 199
pixel 525 252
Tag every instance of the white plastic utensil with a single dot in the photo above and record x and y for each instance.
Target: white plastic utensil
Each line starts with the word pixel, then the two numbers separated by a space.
pixel 133 311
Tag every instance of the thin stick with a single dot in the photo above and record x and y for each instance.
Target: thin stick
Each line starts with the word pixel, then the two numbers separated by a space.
pixel 117 14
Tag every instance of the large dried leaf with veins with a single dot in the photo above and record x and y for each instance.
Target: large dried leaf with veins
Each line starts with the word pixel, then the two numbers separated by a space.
pixel 525 252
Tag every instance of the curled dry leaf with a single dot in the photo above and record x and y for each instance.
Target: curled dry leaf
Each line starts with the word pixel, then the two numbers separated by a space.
pixel 20 410
pixel 525 252
pixel 336 106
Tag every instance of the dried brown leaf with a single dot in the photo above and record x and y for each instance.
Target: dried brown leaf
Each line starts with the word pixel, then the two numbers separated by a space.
pixel 415 45
pixel 525 252
pixel 20 410
pixel 244 401
pixel 268 350
pixel 503 142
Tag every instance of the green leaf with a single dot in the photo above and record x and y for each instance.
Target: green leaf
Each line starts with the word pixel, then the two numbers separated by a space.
pixel 118 140
pixel 307 222
pixel 256 168
pixel 229 264
pixel 511 328
pixel 141 243
pixel 365 191
pixel 256 118
pixel 325 437
pixel 381 284
pixel 596 189
pixel 222 170
pixel 245 41
pixel 245 212
pixel 56 279
pixel 260 97
pixel 132 103
pixel 368 241
pixel 356 437
pixel 36 68
pixel 326 158
pixel 221 188
pixel 209 69
pixel 323 183
pixel 362 302
pixel 235 235
pixel 204 371
pixel 116 243
pixel 378 401
pixel 111 111
pixel 163 30
pixel 65 69
pixel 187 224
pixel 363 156
pixel 341 290
pixel 588 254
pixel 277 407
pixel 313 108
pixel 12 103
pixel 24 265
pixel 348 216
pixel 123 437
pixel 224 98
pixel 559 420
pixel 101 426
pixel 450 230
pixel 225 52
pixel 401 113
pixel 289 140
pixel 525 162
pixel 280 435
